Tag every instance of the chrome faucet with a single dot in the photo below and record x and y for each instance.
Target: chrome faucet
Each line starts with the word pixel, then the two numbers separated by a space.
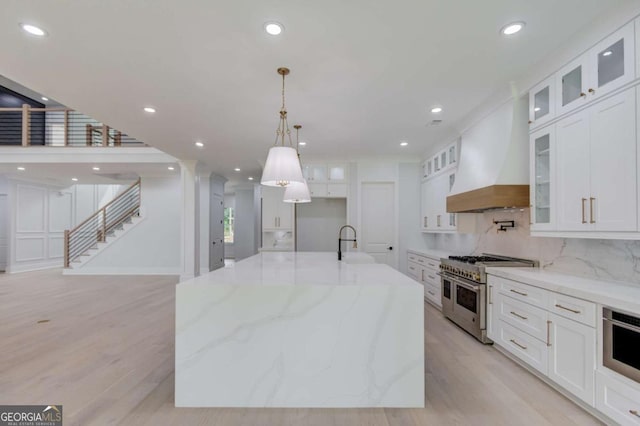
pixel 340 240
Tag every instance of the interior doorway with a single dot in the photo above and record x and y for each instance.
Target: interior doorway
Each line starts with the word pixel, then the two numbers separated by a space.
pixel 378 221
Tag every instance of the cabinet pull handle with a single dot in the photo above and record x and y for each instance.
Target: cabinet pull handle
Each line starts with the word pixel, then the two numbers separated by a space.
pixel 422 279
pixel 591 200
pixel 634 412
pixel 518 315
pixel 518 344
pixel 438 220
pixel 582 94
pixel 431 293
pixel 530 214
pixel 518 292
pixel 567 309
pixel 592 91
pixel 548 332
pixel 584 219
pixel 490 295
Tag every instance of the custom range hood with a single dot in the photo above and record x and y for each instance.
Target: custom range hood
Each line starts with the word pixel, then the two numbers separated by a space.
pixel 493 172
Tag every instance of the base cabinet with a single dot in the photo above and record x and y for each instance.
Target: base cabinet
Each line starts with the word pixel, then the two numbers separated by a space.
pixel 522 320
pixel 572 356
pixel 425 270
pixel 617 400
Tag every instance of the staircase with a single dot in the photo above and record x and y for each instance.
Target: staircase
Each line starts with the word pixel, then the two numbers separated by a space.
pixel 95 232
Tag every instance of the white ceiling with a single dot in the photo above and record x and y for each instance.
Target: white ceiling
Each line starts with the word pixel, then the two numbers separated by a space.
pixel 363 74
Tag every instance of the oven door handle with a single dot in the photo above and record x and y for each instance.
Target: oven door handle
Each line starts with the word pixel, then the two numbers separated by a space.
pixel 623 324
pixel 459 282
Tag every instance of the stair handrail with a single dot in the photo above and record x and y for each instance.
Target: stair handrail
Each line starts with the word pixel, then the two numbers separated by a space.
pixel 99 233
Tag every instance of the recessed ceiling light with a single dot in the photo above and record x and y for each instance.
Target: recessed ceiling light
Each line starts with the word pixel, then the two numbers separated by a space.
pixel 512 28
pixel 607 53
pixel 74 179
pixel 21 168
pixel 199 144
pixel 536 109
pixel 33 30
pixel 237 169
pixel 404 143
pixel 171 168
pixel 149 109
pixel 436 110
pixel 44 98
pixel 273 28
pixel 96 168
pixel 250 178
pixel 302 143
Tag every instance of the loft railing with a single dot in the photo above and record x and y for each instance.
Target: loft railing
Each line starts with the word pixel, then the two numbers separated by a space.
pixel 99 225
pixel 61 126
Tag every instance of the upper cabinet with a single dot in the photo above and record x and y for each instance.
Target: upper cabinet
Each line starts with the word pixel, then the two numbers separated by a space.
pixel 542 188
pixel 612 62
pixel 542 103
pixel 604 68
pixel 327 180
pixel 439 174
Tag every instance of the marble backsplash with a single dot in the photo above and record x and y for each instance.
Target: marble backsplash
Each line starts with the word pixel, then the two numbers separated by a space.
pixel 614 260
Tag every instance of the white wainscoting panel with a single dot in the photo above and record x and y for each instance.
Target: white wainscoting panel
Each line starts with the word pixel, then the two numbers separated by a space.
pixel 30 248
pixel 31 208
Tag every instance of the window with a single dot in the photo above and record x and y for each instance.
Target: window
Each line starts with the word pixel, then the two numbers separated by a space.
pixel 228 224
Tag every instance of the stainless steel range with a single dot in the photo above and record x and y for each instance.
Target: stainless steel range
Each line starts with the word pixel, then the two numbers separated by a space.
pixel 464 289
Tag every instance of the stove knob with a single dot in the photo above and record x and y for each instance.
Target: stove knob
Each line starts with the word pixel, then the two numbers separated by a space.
pixel 476 276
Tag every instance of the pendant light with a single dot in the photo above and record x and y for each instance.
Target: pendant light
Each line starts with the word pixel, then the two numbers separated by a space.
pixel 297 192
pixel 283 166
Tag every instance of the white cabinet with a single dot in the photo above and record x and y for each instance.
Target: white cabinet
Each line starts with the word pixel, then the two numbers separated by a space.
pixel 551 332
pixel 542 155
pixel 607 66
pixel 572 82
pixel 617 399
pixel 596 167
pixel 542 103
pixel 276 214
pixel 612 62
pixel 327 180
pixel 572 356
pixel 425 269
pixel 434 216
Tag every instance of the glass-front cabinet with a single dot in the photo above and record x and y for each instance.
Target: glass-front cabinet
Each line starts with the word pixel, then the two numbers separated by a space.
pixel 453 153
pixel 542 103
pixel 571 82
pixel 542 183
pixel 337 172
pixel 612 62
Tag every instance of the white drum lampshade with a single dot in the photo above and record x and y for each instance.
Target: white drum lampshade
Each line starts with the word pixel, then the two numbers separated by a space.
pixel 282 167
pixel 297 193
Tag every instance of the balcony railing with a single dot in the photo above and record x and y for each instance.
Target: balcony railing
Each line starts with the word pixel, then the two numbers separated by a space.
pixel 28 126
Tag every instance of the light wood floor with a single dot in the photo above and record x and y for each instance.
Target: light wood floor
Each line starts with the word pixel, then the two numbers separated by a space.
pixel 106 354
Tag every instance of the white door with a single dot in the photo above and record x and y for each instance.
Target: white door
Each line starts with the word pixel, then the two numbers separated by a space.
pixel 271 198
pixel 572 141
pixel 572 356
pixel 612 202
pixel 378 221
pixel 4 232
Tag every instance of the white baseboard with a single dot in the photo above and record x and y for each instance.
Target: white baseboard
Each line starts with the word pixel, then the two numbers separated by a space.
pixel 123 271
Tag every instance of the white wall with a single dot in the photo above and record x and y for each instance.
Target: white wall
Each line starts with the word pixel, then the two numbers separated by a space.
pixel 153 246
pixel 246 237
pixel 409 206
pixel 318 223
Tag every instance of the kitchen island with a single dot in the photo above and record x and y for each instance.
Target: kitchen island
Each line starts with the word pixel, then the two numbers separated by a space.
pixel 300 330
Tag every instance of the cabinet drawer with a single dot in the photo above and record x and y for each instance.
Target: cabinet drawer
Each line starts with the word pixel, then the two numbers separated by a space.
pixel 432 294
pixel 527 348
pixel 412 257
pixel 617 400
pixel 523 292
pixel 432 264
pixel 414 270
pixel 525 317
pixel 430 277
pixel 572 308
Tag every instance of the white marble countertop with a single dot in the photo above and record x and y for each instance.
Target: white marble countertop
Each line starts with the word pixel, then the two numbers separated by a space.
pixel 433 254
pixel 625 296
pixel 305 268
